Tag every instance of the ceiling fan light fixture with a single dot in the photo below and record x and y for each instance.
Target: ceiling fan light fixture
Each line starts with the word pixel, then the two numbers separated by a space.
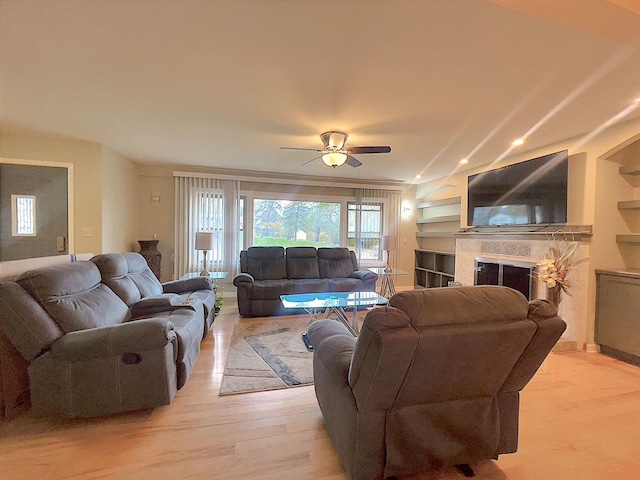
pixel 334 159
pixel 333 139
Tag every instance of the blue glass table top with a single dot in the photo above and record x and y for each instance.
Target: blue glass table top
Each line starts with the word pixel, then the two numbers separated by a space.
pixel 332 300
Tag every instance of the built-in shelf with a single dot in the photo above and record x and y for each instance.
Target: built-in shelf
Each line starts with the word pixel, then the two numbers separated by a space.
pixel 435 234
pixel 633 169
pixel 632 238
pixel 439 203
pixel 434 269
pixel 440 219
pixel 629 205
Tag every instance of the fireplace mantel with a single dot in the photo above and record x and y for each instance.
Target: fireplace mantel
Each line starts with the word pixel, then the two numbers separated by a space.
pixel 529 232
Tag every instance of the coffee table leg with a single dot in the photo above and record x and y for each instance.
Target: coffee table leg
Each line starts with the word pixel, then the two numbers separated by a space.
pixel 341 315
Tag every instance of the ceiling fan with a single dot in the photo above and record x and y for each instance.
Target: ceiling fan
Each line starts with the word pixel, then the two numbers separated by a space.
pixel 335 153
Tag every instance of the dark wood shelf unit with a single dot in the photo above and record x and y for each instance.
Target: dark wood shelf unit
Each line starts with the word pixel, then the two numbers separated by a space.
pixel 433 268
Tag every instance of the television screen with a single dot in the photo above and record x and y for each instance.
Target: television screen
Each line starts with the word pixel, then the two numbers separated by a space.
pixel 529 192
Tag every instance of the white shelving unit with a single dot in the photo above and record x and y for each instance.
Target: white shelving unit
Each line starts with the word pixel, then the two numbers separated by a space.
pixel 435 259
pixel 631 238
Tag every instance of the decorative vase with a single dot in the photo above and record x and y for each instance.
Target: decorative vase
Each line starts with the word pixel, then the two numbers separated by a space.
pixel 149 250
pixel 554 295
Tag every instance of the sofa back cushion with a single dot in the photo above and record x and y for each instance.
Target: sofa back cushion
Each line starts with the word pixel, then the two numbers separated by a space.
pixel 74 296
pixel 452 305
pixel 302 262
pixel 141 275
pixel 336 262
pixel 114 270
pixel 266 263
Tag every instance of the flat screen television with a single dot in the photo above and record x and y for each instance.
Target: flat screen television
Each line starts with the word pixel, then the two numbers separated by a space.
pixel 530 192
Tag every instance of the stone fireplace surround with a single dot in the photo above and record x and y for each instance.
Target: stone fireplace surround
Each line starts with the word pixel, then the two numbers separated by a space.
pixel 529 248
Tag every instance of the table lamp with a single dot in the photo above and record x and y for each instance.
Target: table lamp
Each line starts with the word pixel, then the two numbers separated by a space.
pixel 204 242
pixel 388 244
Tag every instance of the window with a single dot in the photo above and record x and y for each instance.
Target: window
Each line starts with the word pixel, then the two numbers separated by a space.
pixel 365 223
pixel 23 215
pixel 296 223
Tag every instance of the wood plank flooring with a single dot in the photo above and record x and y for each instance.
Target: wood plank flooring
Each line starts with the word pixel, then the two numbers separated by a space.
pixel 580 419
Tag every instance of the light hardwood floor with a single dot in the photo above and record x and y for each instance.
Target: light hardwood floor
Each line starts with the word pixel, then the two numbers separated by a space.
pixel 580 419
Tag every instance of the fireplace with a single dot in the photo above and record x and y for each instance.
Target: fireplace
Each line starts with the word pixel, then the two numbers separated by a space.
pixel 510 259
pixel 517 275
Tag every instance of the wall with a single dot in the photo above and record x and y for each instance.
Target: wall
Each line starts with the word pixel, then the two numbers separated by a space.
pixel 119 204
pixel 156 212
pixel 86 158
pixel 157 217
pixel 595 187
pixel 104 189
pixel 407 242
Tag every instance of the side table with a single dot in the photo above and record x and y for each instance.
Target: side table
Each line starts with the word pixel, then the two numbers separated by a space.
pixel 387 286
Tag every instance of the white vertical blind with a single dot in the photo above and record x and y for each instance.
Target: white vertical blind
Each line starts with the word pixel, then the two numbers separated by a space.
pixel 206 205
pixel 390 201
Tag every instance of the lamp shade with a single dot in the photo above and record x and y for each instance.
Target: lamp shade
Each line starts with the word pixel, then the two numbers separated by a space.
pixel 388 242
pixel 204 241
pixel 334 159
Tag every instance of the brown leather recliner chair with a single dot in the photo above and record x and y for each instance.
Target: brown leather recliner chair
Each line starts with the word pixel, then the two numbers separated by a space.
pixel 432 380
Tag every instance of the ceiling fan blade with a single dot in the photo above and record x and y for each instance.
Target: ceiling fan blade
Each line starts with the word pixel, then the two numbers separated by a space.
pixel 370 149
pixel 300 148
pixel 313 160
pixel 353 161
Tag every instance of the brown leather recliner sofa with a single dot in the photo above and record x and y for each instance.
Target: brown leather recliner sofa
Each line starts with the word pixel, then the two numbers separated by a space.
pixel 267 273
pixel 103 336
pixel 432 380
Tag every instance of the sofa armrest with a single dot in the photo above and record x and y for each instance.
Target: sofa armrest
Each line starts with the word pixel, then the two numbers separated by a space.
pixel 367 276
pixel 188 285
pixel 333 347
pixel 243 279
pixel 130 337
pixel 162 303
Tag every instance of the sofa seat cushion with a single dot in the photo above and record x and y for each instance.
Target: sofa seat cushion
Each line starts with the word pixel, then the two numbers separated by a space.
pixel 335 263
pixel 73 295
pixel 266 263
pixel 302 262
pixel 344 284
pixel 271 289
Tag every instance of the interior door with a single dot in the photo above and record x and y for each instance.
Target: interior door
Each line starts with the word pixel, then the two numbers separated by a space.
pixel 34 211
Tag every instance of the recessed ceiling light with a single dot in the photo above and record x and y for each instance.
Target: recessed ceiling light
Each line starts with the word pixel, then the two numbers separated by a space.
pixel 464 161
pixel 418 176
pixel 518 142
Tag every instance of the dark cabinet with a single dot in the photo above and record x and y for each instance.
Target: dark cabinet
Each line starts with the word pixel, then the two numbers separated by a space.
pixel 617 328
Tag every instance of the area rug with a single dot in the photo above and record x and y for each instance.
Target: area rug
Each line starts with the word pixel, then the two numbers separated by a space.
pixel 268 355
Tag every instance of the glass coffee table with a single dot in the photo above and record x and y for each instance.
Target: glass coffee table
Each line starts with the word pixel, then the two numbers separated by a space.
pixel 333 303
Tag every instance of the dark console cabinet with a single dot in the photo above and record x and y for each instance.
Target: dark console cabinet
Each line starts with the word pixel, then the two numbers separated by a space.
pixel 617 328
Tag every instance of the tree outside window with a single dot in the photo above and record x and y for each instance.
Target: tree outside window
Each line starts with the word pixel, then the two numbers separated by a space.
pixel 296 223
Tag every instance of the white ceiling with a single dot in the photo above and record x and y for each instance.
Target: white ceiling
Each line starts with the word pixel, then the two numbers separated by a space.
pixel 225 83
